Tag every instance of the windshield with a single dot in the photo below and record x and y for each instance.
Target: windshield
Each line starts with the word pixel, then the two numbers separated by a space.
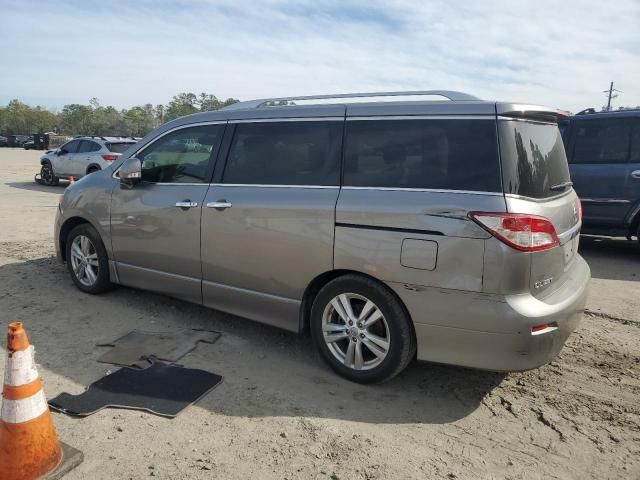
pixel 534 163
pixel 119 147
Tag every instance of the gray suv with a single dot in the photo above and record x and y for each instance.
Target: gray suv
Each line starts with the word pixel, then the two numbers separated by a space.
pixel 81 156
pixel 442 230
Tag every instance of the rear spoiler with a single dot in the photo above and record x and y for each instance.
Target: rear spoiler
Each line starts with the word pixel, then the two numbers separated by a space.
pixel 531 112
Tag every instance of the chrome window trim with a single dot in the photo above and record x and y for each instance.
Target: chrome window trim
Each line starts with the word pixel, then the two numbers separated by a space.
pixel 266 185
pixel 287 119
pixel 422 117
pixel 426 190
pixel 526 120
pixel 539 200
pixel 171 130
pixel 604 200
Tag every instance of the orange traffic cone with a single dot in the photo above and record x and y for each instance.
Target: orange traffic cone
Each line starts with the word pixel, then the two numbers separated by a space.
pixel 29 447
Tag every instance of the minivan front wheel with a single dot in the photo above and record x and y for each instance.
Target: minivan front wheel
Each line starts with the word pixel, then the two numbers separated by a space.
pixel 362 330
pixel 87 259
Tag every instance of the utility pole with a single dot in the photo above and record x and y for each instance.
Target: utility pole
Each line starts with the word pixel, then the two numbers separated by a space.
pixel 611 95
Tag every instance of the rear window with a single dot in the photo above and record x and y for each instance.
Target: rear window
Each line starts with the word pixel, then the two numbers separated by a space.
pixel 119 147
pixel 533 158
pixel 430 154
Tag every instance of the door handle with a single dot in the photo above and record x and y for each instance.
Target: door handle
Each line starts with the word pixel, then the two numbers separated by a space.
pixel 635 174
pixel 219 205
pixel 186 204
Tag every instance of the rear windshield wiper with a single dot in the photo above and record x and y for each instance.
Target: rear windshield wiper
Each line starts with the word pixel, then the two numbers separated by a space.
pixel 561 186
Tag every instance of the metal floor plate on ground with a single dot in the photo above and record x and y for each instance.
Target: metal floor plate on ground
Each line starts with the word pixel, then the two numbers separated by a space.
pixel 166 346
pixel 162 389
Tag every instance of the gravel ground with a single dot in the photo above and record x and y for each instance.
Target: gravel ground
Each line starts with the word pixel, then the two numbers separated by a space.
pixel 280 413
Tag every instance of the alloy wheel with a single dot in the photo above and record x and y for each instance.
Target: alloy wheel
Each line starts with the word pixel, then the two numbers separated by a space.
pixel 84 260
pixel 355 331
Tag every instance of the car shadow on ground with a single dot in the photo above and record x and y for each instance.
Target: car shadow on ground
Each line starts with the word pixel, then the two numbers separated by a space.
pixel 611 258
pixel 36 187
pixel 268 372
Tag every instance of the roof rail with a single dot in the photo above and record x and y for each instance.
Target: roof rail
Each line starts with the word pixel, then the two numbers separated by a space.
pixel 284 101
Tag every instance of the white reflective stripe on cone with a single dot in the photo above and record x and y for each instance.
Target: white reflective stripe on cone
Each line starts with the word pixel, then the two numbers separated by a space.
pixel 20 368
pixel 19 411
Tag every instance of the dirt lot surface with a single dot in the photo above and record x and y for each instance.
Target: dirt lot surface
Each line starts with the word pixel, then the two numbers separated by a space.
pixel 280 413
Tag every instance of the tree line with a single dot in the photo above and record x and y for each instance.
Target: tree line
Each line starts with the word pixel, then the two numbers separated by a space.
pixel 17 118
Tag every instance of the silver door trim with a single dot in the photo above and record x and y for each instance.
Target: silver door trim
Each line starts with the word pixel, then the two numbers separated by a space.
pixel 287 119
pixel 539 200
pixel 219 205
pixel 422 117
pixel 604 200
pixel 427 190
pixel 336 187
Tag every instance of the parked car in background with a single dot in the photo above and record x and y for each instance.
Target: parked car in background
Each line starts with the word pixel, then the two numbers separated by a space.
pixel 391 230
pixel 18 140
pixel 29 144
pixel 604 160
pixel 4 141
pixel 81 156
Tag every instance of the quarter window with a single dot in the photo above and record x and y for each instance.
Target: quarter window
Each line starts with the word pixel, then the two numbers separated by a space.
pixel 285 153
pixel 432 154
pixel 602 141
pixel 182 156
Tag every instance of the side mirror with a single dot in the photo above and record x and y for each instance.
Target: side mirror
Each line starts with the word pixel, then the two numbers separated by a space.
pixel 131 171
pixel 61 151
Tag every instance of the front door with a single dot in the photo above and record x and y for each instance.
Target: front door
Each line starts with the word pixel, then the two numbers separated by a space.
pixel 268 227
pixel 155 225
pixel 64 162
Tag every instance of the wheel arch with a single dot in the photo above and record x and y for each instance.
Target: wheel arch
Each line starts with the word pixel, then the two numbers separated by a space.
pixel 93 167
pixel 314 287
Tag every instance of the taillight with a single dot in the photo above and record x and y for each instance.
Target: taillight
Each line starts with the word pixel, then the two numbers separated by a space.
pixel 527 233
pixel 110 157
pixel 579 209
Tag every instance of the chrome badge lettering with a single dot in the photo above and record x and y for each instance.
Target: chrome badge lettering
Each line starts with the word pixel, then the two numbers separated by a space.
pixel 543 283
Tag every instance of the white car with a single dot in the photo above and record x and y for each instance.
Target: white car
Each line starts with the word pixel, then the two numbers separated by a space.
pixel 81 156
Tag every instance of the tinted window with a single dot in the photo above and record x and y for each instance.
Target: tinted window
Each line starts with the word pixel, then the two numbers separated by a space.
pixel 285 153
pixel 71 147
pixel 118 147
pixel 88 146
pixel 635 143
pixel 602 141
pixel 438 154
pixel 533 158
pixel 181 156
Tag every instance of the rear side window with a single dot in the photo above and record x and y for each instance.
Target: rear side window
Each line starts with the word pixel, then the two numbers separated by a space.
pixel 534 163
pixel 602 141
pixel 119 147
pixel 87 146
pixel 431 154
pixel 285 153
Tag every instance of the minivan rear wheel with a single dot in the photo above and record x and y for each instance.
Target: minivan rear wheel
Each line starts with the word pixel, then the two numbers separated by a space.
pixel 362 330
pixel 87 260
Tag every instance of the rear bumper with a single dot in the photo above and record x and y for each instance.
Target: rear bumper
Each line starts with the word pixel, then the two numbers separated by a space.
pixel 493 332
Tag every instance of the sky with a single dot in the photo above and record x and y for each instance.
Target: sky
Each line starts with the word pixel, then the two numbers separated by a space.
pixel 557 53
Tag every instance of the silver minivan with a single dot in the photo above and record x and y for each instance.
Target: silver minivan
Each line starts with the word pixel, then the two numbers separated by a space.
pixel 391 230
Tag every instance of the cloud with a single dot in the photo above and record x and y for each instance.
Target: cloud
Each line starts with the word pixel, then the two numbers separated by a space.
pixel 557 53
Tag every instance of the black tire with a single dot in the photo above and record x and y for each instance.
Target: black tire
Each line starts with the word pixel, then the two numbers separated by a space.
pixel 47 175
pixel 402 342
pixel 102 282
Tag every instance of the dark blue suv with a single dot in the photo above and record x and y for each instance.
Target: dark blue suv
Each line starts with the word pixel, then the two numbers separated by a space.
pixel 604 160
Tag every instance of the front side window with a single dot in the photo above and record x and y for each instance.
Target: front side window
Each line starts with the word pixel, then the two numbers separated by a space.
pixel 446 154
pixel 71 147
pixel 285 153
pixel 182 156
pixel 602 141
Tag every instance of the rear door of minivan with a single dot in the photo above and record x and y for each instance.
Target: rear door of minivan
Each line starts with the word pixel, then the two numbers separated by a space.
pixel 409 182
pixel 268 221
pixel 599 162
pixel 536 182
